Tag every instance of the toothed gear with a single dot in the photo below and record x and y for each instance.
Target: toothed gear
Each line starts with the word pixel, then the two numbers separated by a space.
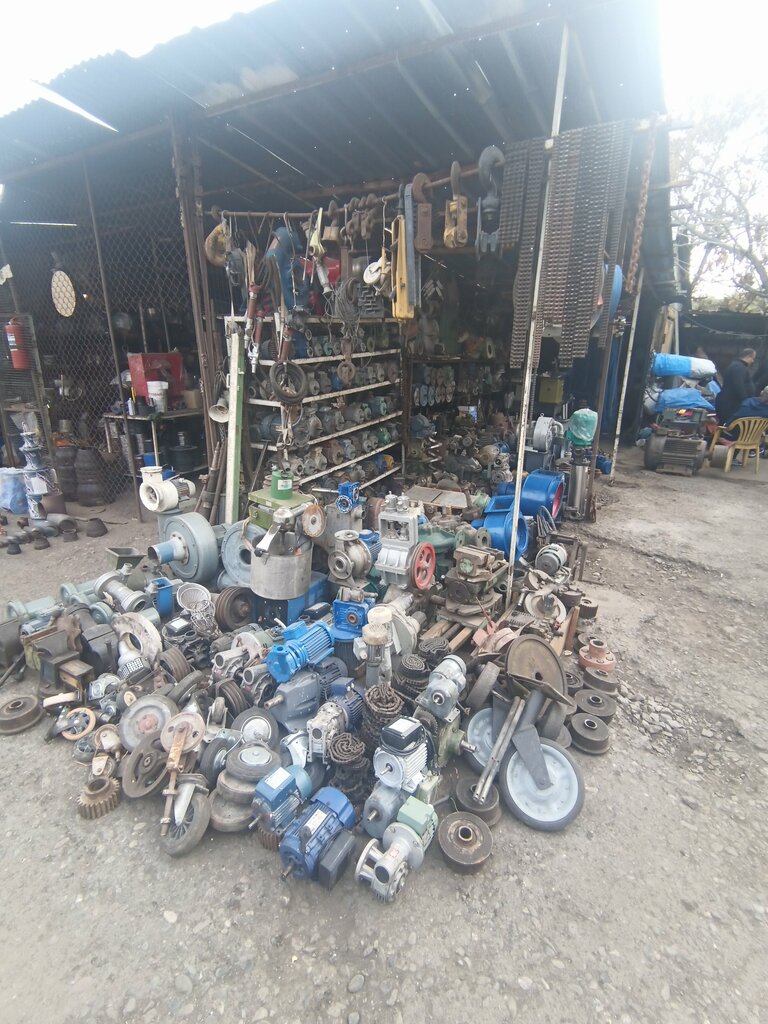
pixel 269 840
pixel 99 797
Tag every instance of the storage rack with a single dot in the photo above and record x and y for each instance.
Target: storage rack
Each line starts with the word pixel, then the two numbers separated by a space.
pixel 390 352
pixel 153 421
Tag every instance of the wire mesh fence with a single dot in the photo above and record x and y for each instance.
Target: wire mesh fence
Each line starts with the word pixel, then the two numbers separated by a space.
pixel 103 277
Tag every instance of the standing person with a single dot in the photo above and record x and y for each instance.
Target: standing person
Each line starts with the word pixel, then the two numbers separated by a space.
pixel 737 385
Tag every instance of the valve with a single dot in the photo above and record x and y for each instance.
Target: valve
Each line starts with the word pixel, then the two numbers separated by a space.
pixel 318 844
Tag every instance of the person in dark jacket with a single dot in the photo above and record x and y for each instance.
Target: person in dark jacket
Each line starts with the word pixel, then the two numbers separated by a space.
pixel 737 385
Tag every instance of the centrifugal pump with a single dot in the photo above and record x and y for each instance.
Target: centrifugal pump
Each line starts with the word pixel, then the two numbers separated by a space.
pixel 302 645
pixel 401 759
pixel 318 844
pixel 386 865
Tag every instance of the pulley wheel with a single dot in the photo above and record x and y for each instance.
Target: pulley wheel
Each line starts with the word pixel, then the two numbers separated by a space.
pixel 597 679
pixel 257 725
pixel 80 723
pixel 144 717
pixel 533 658
pixel 228 817
pixel 173 662
pixel 466 842
pixel 423 564
pixel 313 521
pixel 183 690
pixel 144 769
pixel 573 682
pixel 250 763
pixel 18 714
pixel 187 834
pixel 464 796
pixel 549 809
pixel 234 608
pixel 234 697
pixel 596 705
pixel 590 735
pixel 191 724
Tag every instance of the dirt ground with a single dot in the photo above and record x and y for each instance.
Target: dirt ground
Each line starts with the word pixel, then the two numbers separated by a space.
pixel 649 909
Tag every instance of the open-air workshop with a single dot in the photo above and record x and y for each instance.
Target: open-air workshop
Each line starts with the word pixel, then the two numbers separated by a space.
pixel 379 608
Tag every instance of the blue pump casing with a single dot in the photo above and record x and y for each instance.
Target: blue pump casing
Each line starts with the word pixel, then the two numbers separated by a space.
pixel 540 487
pixel 312 832
pixel 497 519
pixel 302 645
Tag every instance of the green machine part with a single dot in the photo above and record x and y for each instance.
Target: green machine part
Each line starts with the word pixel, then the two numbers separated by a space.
pixel 279 494
pixel 443 541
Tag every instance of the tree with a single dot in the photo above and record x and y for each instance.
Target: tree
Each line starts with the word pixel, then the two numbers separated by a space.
pixel 720 204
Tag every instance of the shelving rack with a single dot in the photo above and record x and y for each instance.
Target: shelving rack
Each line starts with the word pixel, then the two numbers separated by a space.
pixel 153 420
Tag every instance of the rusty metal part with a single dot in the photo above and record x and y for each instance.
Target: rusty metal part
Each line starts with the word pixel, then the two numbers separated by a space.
pixel 19 714
pixel 531 658
pixel 598 679
pixel 590 735
pixel 466 842
pixel 269 840
pixel 596 705
pixel 103 766
pixel 588 608
pixel 571 598
pixel 80 722
pixel 465 799
pixel 146 716
pixel 227 816
pixel 573 682
pixel 106 740
pixel 547 607
pixel 346 750
pixel 187 724
pixel 234 608
pixel 99 797
pixel 596 655
pixel 145 768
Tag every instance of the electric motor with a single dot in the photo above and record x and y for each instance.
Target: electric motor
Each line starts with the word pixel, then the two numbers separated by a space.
pixel 401 759
pixel 296 700
pixel 385 866
pixel 329 721
pixel 551 559
pixel 381 808
pixel 318 844
pixel 278 797
pixel 302 645
pixel 446 682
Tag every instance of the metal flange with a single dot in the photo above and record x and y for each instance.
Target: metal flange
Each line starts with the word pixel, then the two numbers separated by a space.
pixel 465 841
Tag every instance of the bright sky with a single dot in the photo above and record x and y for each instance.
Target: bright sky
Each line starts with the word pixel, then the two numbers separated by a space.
pixel 710 49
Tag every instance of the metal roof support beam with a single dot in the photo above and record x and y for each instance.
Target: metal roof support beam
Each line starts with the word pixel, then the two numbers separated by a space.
pixel 490 28
pixel 252 170
pixel 525 397
pixel 432 110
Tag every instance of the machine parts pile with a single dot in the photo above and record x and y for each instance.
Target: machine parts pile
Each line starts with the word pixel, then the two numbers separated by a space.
pixel 352 681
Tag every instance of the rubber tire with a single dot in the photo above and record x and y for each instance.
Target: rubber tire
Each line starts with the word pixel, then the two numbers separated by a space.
pixel 509 799
pixel 218 748
pixel 273 740
pixel 195 827
pixel 234 790
pixel 301 383
pixel 551 722
pixel 185 687
pixel 219 821
pixel 247 772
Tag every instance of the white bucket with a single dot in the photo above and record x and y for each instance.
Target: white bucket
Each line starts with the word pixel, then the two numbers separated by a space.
pixel 157 393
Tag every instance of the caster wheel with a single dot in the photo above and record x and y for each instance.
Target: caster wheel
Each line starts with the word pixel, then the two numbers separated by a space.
pixel 187 834
pixel 550 809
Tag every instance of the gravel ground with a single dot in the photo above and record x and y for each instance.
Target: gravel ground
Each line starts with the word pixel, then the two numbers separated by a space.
pixel 651 907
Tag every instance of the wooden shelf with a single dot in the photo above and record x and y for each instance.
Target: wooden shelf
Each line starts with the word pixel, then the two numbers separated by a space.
pixel 329 397
pixel 339 433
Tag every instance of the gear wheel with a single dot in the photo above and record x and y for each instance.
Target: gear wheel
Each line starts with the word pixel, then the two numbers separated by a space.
pixel 269 840
pixel 99 797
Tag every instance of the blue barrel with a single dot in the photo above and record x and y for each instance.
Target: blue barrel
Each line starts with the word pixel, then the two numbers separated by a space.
pixel 541 487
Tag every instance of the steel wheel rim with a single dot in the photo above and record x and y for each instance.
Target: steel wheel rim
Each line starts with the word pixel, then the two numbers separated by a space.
pixel 545 805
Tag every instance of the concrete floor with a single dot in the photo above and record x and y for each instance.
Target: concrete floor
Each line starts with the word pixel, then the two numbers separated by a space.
pixel 649 909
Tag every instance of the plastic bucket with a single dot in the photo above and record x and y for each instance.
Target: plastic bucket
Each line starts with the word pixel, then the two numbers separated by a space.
pixel 157 393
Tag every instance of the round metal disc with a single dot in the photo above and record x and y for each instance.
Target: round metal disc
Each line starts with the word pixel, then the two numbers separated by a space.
pixel 532 659
pixel 147 715
pixel 479 730
pixel 574 682
pixel 466 842
pixel 144 769
pixel 482 687
pixel 80 722
pixel 597 679
pixel 590 735
pixel 313 521
pixel 190 723
pixel 257 725
pixel 548 809
pixel 196 533
pixel 18 714
pixel 596 704
pixel 252 762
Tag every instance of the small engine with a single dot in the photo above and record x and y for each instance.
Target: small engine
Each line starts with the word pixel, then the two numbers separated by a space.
pixel 401 759
pixel 302 645
pixel 318 844
pixel 278 798
pixel 444 687
pixel 385 866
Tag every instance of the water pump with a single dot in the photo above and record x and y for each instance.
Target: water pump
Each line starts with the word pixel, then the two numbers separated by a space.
pixel 318 844
pixel 302 645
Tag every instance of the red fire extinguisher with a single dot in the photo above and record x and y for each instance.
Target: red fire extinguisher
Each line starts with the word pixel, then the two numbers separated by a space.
pixel 17 344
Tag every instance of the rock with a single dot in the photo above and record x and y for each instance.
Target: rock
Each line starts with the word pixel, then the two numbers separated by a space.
pixel 690 802
pixel 356 983
pixel 707 733
pixel 261 1014
pixel 170 916
pixel 187 1010
pixel 525 983
pixel 183 984
pixel 353 1018
pixel 130 1006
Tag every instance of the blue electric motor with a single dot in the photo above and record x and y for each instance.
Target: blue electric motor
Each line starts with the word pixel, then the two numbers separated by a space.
pixel 302 645
pixel 279 796
pixel 540 487
pixel 318 844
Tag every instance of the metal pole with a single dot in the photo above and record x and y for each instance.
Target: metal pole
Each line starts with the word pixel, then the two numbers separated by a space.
pixel 528 362
pixel 235 425
pixel 115 356
pixel 630 346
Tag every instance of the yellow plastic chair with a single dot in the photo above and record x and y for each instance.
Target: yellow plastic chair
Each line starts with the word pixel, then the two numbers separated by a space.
pixel 749 438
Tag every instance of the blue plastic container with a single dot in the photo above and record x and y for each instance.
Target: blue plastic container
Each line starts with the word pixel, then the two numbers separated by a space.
pixel 163 596
pixel 541 487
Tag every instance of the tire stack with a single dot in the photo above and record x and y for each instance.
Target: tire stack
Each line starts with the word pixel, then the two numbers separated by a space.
pixel 91 477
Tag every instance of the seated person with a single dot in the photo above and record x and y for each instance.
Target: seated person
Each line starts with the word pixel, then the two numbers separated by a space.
pixel 749 408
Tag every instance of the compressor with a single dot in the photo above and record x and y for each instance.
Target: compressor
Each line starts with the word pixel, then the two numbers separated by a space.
pixel 318 844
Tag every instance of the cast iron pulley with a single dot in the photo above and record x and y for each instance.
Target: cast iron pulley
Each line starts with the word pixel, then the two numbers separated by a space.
pixel 551 808
pixel 186 834
pixel 590 735
pixel 234 608
pixel 423 565
pixel 175 665
pixel 18 714
pixel 250 763
pixel 535 666
pixel 234 697
pixel 187 723
pixel 144 769
pixel 465 841
pixel 596 704
pixel 146 716
pixel 573 683
pixel 598 679
pixel 186 687
pixel 465 799
pixel 481 688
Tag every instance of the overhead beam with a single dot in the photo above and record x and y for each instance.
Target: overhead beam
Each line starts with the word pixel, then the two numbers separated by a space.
pixel 252 170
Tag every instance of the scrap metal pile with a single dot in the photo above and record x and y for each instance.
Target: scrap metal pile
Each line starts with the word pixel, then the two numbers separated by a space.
pixel 348 680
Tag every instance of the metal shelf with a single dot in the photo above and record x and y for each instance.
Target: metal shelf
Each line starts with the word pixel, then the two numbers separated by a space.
pixel 343 465
pixel 194 469
pixel 178 414
pixel 339 433
pixel 334 358
pixel 240 318
pixel 381 476
pixel 331 395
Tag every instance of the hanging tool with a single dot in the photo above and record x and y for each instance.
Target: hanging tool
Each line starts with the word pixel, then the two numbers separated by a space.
pixel 402 308
pixel 456 233
pixel 421 188
pixel 490 168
